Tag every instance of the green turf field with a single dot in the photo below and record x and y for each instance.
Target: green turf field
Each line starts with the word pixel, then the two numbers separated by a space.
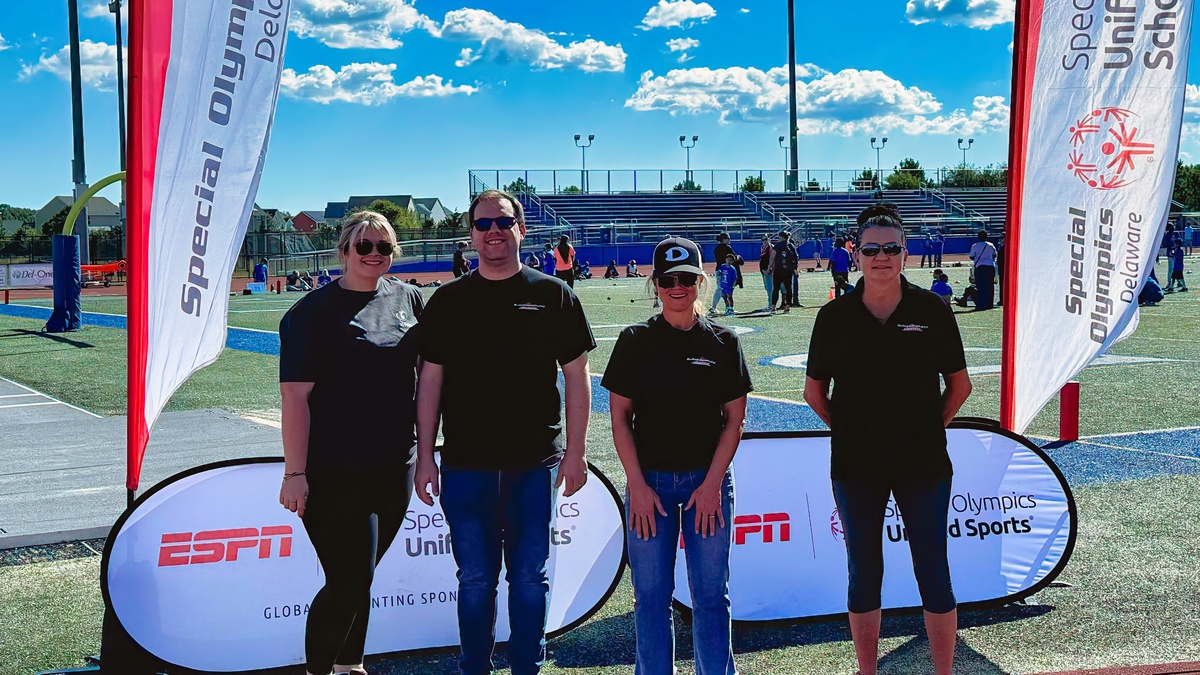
pixel 1134 581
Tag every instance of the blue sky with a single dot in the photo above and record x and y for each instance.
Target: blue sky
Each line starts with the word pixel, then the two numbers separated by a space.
pixel 404 96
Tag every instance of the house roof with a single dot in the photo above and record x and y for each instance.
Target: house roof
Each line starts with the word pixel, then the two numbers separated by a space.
pixel 317 215
pixel 425 205
pixel 97 206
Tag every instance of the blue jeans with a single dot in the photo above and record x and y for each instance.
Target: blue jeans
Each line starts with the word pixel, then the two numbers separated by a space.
pixel 652 566
pixel 494 513
pixel 924 507
pixel 769 285
pixel 985 284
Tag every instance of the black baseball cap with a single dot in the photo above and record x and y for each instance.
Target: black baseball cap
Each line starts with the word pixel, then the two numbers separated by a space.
pixel 677 254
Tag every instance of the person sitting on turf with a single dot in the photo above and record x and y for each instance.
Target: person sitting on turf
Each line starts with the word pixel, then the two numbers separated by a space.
pixel 631 269
pixel 941 286
pixel 323 278
pixel 1152 292
pixel 296 283
pixel 585 270
pixel 308 280
pixel 611 272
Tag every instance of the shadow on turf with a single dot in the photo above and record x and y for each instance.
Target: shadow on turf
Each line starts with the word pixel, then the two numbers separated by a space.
pixel 610 641
pixel 21 332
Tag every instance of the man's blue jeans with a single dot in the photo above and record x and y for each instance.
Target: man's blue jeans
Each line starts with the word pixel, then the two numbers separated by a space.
pixel 491 513
pixel 652 566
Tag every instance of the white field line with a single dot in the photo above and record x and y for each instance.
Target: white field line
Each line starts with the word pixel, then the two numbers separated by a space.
pixel 1138 450
pixel 1137 433
pixel 34 391
pixel 19 395
pixel 31 405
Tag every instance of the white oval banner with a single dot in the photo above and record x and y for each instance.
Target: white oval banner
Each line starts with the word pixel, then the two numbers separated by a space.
pixel 1011 525
pixel 209 572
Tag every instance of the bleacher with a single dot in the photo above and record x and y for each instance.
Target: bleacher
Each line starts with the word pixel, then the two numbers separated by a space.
pixel 631 218
pixel 990 202
pixel 647 218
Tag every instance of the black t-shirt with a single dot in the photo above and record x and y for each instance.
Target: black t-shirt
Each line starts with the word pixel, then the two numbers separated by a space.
pixel 500 344
pixel 678 382
pixel 460 263
pixel 887 395
pixel 785 257
pixel 359 349
pixel 720 252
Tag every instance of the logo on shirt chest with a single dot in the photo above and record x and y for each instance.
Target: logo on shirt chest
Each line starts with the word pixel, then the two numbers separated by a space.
pixel 911 328
pixel 701 361
pixel 402 318
pixel 529 306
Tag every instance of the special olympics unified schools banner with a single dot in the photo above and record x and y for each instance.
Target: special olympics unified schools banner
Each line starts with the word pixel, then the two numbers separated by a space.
pixel 1011 527
pixel 1098 105
pixel 207 571
pixel 204 80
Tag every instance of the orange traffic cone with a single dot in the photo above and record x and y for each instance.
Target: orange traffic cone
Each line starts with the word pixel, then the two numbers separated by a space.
pixel 831 292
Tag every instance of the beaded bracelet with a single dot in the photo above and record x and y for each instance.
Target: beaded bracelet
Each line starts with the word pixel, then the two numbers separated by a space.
pixel 288 476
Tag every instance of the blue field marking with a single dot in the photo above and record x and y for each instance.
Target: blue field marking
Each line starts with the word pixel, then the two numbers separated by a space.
pixel 241 339
pixel 1103 459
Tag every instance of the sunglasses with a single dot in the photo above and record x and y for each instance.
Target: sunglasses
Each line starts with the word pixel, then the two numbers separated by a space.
pixel 872 250
pixel 503 222
pixel 685 279
pixel 364 247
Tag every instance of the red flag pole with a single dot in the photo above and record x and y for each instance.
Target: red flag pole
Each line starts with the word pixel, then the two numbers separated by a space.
pixel 1026 30
pixel 137 229
pixel 149 53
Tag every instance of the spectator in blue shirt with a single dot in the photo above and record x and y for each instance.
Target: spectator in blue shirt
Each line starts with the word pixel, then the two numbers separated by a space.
pixel 942 287
pixel 1152 292
pixel 927 251
pixel 839 266
pixel 323 278
pixel 939 243
pixel 260 271
pixel 727 279
pixel 1176 268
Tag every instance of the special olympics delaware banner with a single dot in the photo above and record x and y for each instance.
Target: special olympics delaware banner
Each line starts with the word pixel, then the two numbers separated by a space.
pixel 209 572
pixel 212 86
pixel 1098 106
pixel 1011 527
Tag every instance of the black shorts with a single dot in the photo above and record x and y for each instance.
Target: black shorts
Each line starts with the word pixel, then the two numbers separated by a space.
pixel 1177 274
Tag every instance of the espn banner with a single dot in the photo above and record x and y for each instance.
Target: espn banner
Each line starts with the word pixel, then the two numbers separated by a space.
pixel 204 83
pixel 1011 526
pixel 1097 110
pixel 208 572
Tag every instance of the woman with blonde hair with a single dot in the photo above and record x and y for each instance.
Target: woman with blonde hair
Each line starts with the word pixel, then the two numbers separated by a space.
pixel 348 372
pixel 677 392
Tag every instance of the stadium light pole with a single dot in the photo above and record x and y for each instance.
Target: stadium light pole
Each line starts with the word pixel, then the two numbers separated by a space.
pixel 79 173
pixel 688 149
pixel 114 6
pixel 877 165
pixel 965 148
pixel 786 148
pixel 583 177
pixel 794 174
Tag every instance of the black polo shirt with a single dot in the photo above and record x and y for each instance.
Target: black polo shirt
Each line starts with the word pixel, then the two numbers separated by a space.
pixel 887 395
pixel 678 381
pixel 500 344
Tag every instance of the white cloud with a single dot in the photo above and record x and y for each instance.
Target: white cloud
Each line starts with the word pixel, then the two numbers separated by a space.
pixel 846 102
pixel 973 13
pixel 99 10
pixel 348 24
pixel 684 58
pixel 673 13
pixel 363 83
pixel 745 11
pixel 682 44
pixel 98 65
pixel 3 45
pixel 503 41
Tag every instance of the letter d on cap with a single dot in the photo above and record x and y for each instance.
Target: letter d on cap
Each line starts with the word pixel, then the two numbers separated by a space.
pixel 676 253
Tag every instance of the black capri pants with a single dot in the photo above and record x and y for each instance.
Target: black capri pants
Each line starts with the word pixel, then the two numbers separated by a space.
pixel 924 506
pixel 351 517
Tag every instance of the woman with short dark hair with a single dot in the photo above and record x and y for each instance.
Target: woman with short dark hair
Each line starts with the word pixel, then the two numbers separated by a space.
pixel 886 346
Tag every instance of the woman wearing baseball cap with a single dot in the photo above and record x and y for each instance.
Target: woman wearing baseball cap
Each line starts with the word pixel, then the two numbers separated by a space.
pixel 677 391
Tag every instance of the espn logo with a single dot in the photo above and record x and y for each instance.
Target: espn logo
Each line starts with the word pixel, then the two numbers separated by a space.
pixel 764 525
pixel 213 546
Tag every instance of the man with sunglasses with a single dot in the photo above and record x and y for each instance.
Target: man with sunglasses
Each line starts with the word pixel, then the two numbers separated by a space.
pixel 493 343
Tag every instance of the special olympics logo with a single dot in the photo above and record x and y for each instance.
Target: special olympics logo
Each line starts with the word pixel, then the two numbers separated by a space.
pixel 835 526
pixel 1104 146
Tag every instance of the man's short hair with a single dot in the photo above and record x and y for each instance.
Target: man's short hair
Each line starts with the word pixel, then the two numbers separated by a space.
pixel 495 196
